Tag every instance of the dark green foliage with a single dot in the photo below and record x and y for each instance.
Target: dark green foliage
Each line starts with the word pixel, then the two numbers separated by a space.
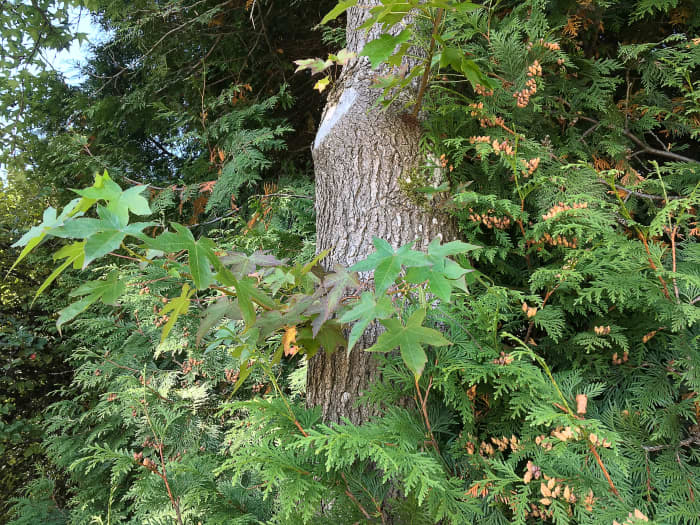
pixel 569 392
pixel 31 355
pixel 31 370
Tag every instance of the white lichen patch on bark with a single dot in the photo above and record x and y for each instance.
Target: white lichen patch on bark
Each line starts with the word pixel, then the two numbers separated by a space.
pixel 334 113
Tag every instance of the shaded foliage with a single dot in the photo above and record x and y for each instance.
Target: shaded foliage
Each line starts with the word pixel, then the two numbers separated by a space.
pixel 569 392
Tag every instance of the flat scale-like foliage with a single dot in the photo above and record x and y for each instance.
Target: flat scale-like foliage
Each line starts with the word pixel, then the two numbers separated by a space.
pixel 544 371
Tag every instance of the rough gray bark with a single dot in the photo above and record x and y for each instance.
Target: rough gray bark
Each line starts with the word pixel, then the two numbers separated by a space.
pixel 360 155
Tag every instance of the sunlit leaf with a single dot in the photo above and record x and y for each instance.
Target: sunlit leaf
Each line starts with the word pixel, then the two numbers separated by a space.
pixel 338 10
pixel 322 84
pixel 73 254
pixel 380 49
pixel 387 263
pixel 107 290
pixel 176 307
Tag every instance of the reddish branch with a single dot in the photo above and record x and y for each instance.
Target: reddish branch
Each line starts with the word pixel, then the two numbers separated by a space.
pixel 652 264
pixel 353 498
pixel 673 256
pixel 544 302
pixel 164 476
pixel 593 450
pixel 424 409
pixel 605 471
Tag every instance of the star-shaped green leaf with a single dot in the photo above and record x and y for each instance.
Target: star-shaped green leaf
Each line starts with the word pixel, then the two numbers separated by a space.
pixel 176 307
pixel 387 263
pixel 366 310
pixel 409 339
pixel 119 202
pixel 108 290
pixel 50 223
pixel 444 274
pixel 200 253
pixel 330 293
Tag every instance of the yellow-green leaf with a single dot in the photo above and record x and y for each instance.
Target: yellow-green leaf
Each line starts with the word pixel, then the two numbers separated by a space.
pixel 176 307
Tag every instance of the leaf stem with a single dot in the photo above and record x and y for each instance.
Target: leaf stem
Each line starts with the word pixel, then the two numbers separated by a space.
pixel 424 409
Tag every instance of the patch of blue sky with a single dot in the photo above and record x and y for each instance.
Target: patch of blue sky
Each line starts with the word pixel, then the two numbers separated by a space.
pixel 70 61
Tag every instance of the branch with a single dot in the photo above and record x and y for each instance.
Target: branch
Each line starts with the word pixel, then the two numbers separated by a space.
pixel 647 195
pixel 292 195
pixel 693 440
pixel 353 498
pixel 605 471
pixel 161 147
pixel 428 62
pixel 424 409
pixel 212 221
pixel 658 152
pixel 645 147
pixel 205 57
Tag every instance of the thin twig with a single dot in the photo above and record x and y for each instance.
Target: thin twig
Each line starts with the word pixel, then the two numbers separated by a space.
pixel 647 195
pixel 212 221
pixel 424 410
pixel 692 440
pixel 658 152
pixel 646 464
pixel 673 258
pixel 565 408
pixel 652 264
pixel 164 475
pixel 353 498
pixel 588 132
pixel 138 183
pixel 124 257
pixel 544 303
pixel 292 195
pixel 605 471
pixel 645 147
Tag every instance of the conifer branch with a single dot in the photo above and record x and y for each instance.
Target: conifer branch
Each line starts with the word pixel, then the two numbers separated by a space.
pixel 692 440
pixel 352 497
pixel 424 410
pixel 605 471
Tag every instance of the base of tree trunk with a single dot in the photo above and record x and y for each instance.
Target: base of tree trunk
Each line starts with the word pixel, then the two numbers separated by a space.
pixel 335 381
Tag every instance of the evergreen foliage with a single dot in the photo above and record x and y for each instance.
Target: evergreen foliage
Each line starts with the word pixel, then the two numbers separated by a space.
pixel 545 372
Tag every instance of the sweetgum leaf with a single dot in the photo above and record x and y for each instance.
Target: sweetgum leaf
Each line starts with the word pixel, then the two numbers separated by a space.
pixel 331 292
pixel 387 263
pixel 380 49
pixel 108 290
pixel 101 244
pixel 73 254
pixel 338 10
pixel 409 339
pixel 176 307
pixel 366 310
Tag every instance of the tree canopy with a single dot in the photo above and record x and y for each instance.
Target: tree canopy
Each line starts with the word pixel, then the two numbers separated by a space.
pixel 163 293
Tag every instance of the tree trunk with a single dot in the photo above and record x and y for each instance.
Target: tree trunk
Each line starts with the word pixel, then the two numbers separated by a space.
pixel 360 155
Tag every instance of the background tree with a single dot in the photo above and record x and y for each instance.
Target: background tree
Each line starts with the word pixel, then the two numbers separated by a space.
pixel 566 134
